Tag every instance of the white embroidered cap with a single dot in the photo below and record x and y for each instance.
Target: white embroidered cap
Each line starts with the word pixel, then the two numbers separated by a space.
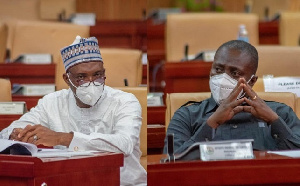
pixel 82 50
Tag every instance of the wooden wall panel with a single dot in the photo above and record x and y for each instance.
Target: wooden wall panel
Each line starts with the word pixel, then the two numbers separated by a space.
pixel 134 9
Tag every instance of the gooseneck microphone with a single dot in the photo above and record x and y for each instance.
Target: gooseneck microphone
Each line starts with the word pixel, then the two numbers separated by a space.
pixel 170 141
pixel 126 82
pixel 186 52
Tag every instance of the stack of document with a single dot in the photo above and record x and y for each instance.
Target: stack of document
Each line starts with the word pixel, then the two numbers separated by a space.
pixel 21 148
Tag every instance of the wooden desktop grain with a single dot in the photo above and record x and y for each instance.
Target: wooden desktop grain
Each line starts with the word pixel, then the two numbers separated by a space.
pixel 270 169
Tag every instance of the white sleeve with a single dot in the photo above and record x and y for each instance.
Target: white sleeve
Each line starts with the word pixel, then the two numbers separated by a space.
pixel 124 136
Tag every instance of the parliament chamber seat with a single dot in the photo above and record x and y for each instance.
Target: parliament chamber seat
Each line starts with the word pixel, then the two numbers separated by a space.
pixel 122 64
pixel 56 9
pixel 175 100
pixel 44 37
pixel 205 31
pixel 3 41
pixel 5 91
pixel 289 29
pixel 19 9
pixel 277 61
pixel 141 94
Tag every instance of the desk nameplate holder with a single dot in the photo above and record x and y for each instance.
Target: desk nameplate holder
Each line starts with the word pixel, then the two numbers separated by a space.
pixel 37 89
pixel 212 150
pixel 226 150
pixel 13 108
pixel 155 99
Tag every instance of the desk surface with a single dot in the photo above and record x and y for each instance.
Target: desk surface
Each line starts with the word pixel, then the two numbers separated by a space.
pixel 28 73
pixel 79 170
pixel 264 169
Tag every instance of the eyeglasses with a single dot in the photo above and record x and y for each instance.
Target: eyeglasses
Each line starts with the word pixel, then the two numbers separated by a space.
pixel 85 82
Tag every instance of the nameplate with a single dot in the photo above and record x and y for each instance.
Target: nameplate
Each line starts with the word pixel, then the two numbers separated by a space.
pixel 282 84
pixel 226 150
pixel 12 108
pixel 35 58
pixel 208 56
pixel 37 89
pixel 155 99
pixel 88 19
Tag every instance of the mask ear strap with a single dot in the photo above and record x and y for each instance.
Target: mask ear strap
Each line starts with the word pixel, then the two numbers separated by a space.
pixel 71 81
pixel 73 86
pixel 244 93
pixel 250 78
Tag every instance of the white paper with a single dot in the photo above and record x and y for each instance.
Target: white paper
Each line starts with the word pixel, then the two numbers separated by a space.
pixel 282 84
pixel 43 153
pixel 4 143
pixel 289 153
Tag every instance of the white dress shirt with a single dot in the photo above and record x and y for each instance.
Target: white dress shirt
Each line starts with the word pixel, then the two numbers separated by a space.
pixel 112 125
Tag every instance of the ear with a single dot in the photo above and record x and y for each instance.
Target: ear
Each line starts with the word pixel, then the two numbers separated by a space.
pixel 66 79
pixel 253 80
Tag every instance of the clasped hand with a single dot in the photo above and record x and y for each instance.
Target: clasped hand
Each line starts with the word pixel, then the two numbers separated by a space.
pixel 231 106
pixel 40 135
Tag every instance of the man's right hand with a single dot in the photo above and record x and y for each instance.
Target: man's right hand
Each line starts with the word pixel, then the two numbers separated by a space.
pixel 229 107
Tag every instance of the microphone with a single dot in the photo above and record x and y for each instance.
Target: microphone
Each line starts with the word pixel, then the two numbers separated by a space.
pixel 266 13
pixel 126 82
pixel 170 141
pixel 186 52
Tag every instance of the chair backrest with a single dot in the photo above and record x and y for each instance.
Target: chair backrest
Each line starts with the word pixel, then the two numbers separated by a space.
pixel 122 64
pixel 51 10
pixel 298 107
pixel 175 100
pixel 289 28
pixel 3 41
pixel 20 9
pixel 5 91
pixel 44 37
pixel 205 31
pixel 141 94
pixel 274 7
pixel 277 61
pixel 59 81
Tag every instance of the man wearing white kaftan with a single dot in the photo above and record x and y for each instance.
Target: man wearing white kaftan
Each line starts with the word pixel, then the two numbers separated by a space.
pixel 111 124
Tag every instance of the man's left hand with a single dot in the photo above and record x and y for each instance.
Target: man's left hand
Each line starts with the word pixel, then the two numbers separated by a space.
pixel 40 135
pixel 257 107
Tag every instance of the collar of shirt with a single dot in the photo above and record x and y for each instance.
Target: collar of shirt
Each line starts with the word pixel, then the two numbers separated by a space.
pixel 212 105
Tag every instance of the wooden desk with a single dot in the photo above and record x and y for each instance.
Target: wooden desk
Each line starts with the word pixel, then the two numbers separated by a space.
pixel 6 120
pixel 187 76
pixel 103 168
pixel 35 74
pixel 28 74
pixel 268 32
pixel 264 169
pixel 121 34
pixel 156 131
pixel 31 101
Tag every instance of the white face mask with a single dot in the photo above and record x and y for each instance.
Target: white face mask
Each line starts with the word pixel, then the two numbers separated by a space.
pixel 88 93
pixel 222 85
